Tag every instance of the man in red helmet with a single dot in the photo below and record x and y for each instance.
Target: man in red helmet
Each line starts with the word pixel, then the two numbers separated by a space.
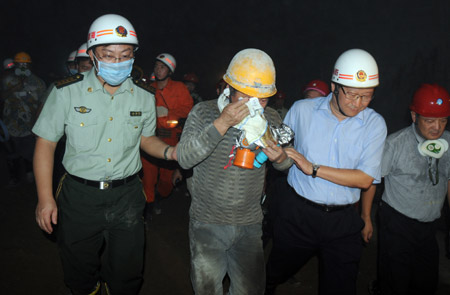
pixel 316 88
pixel 416 171
pixel 278 104
pixel 191 82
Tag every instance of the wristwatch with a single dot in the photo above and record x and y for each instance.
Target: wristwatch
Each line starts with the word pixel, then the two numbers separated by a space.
pixel 315 168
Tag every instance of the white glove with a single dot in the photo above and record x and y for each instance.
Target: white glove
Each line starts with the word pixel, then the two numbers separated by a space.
pixel 161 111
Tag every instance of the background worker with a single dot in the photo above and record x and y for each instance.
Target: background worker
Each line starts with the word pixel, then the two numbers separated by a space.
pixel 173 104
pixel 416 171
pixel 316 88
pixel 191 82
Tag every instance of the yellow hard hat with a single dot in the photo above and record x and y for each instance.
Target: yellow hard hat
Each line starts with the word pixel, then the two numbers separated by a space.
pixel 252 72
pixel 22 57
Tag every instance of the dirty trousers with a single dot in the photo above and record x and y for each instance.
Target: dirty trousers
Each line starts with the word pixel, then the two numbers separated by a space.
pixel 101 235
pixel 235 250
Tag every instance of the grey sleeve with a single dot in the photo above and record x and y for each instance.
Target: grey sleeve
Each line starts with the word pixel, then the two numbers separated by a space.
pixel 387 159
pixel 286 164
pixel 199 138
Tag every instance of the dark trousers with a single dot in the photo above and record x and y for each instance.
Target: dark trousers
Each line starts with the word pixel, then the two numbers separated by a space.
pixel 101 236
pixel 408 254
pixel 302 231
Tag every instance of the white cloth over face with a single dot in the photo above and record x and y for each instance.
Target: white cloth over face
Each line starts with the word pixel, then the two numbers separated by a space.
pixel 254 126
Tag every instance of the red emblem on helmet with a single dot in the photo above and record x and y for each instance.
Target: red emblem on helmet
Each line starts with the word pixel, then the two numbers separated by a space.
pixel 121 31
pixel 361 76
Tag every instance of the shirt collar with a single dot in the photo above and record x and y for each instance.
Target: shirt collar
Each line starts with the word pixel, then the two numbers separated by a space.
pixel 325 104
pixel 155 84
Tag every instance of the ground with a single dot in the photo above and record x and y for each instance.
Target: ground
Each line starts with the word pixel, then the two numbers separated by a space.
pixel 30 261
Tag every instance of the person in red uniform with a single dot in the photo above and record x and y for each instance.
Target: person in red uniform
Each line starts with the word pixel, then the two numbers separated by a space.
pixel 173 104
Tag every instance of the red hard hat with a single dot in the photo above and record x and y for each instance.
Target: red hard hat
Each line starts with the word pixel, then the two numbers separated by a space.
pixel 431 100
pixel 190 77
pixel 280 95
pixel 319 86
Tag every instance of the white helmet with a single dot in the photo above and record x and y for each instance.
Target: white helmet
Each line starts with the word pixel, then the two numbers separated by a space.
pixel 82 51
pixel 168 60
pixel 8 64
pixel 111 29
pixel 72 56
pixel 356 68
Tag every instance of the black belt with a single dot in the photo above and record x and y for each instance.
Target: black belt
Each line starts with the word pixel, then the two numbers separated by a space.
pixel 324 207
pixel 104 184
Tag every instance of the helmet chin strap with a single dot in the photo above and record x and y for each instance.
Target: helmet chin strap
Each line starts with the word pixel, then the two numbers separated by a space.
pixel 336 94
pixel 159 80
pixel 167 76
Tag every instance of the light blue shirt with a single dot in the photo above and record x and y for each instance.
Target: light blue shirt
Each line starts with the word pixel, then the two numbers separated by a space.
pixel 353 143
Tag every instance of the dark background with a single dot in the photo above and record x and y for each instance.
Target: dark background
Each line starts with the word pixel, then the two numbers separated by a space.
pixel 409 39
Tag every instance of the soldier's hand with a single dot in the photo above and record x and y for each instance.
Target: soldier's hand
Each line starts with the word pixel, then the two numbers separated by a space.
pixel 173 153
pixel 231 115
pixel 176 177
pixel 46 214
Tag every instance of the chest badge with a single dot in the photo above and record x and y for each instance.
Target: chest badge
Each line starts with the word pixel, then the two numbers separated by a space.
pixel 83 110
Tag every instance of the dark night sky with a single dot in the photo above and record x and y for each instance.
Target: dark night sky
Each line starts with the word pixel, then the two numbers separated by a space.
pixel 409 39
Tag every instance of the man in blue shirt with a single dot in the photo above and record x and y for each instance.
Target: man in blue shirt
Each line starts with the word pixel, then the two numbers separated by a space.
pixel 337 152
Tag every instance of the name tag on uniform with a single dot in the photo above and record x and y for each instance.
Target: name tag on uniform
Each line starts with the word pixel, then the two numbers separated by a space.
pixel 135 114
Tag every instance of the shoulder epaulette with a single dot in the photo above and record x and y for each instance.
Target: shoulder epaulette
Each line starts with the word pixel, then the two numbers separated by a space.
pixel 69 80
pixel 144 86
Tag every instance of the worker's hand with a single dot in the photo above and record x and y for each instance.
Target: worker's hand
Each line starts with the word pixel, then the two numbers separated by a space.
pixel 46 214
pixel 367 231
pixel 176 177
pixel 231 115
pixel 161 111
pixel 275 153
pixel 300 161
